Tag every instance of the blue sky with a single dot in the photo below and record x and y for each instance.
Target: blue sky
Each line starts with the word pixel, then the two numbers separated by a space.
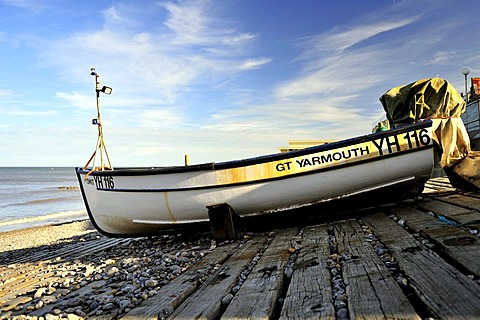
pixel 219 80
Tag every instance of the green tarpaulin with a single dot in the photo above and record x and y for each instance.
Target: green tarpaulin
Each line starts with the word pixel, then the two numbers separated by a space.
pixel 434 99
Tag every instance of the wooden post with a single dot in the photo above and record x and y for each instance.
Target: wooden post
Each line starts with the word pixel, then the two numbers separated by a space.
pixel 221 222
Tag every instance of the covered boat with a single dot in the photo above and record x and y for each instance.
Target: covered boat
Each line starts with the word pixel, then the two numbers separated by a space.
pixel 436 99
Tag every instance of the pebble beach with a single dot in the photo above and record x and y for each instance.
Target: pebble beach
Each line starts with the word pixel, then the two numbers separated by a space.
pixel 83 274
pixel 42 236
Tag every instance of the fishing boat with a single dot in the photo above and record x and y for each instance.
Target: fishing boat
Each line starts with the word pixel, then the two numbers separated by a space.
pixel 138 201
pixel 126 201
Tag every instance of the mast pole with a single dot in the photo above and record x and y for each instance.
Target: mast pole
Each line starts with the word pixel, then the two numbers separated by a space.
pixel 100 144
pixel 100 147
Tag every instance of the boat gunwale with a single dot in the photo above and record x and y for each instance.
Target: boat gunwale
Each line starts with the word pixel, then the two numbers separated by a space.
pixel 141 171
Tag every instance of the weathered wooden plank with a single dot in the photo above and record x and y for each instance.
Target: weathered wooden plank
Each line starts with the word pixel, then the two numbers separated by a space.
pixel 372 292
pixel 27 285
pixel 439 185
pixel 170 296
pixel 472 193
pixel 22 270
pixel 440 207
pixel 258 296
pixel 309 294
pixel 462 201
pixel 427 190
pixel 81 251
pixel 206 302
pixel 459 245
pixel 443 179
pixel 14 276
pixel 446 292
pixel 14 302
pixel 464 216
pixel 73 250
pixel 54 260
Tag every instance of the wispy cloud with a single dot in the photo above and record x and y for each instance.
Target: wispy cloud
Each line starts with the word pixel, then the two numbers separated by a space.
pixel 443 57
pixel 344 74
pixel 114 16
pixel 29 5
pixel 161 118
pixel 343 38
pixel 386 51
pixel 188 21
pixel 291 116
pixel 338 68
pixel 76 99
pixel 254 63
pixel 195 47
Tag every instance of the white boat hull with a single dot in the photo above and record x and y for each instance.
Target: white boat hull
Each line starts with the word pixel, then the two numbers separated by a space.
pixel 133 201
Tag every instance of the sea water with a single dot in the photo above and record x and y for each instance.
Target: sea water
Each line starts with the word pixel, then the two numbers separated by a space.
pixel 33 196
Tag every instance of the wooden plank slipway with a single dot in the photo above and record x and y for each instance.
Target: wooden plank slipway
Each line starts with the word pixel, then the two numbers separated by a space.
pixel 372 292
pixel 309 294
pixel 410 260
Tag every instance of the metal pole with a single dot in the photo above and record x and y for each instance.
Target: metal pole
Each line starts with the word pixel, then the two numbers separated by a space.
pixel 465 72
pixel 100 147
pixel 99 121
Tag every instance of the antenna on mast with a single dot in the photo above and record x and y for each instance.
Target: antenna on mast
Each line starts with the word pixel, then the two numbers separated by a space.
pixel 100 149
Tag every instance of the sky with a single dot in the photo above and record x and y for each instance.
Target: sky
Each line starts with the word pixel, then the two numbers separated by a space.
pixel 217 80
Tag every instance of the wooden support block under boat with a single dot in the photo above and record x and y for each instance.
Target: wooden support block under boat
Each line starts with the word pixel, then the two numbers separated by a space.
pixel 221 222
